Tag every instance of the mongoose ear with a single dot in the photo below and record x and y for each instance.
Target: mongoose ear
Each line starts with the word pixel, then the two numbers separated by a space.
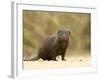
pixel 59 31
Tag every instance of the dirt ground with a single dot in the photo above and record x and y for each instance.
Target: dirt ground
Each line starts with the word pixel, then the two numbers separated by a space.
pixel 71 61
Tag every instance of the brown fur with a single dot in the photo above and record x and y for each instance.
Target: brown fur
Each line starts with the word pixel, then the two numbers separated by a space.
pixel 54 46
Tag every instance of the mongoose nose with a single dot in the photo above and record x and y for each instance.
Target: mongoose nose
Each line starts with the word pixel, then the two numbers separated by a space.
pixel 64 37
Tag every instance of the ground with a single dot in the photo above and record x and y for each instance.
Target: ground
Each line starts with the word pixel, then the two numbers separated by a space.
pixel 71 61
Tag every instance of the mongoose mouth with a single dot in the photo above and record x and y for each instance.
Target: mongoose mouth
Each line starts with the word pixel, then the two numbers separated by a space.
pixel 63 40
pixel 63 43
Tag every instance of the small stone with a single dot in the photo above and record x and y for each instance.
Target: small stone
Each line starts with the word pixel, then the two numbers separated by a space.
pixel 40 60
pixel 81 60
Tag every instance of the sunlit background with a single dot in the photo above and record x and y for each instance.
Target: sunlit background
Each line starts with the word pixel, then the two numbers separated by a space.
pixel 37 25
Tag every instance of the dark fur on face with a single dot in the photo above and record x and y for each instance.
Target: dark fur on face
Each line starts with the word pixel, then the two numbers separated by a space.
pixel 63 35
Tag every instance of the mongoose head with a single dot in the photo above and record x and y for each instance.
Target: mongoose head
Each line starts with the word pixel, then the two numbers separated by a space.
pixel 63 35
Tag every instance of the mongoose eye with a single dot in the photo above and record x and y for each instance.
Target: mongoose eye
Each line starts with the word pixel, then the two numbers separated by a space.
pixel 59 31
pixel 69 32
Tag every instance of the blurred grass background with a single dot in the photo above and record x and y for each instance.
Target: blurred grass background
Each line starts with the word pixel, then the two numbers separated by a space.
pixel 37 25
